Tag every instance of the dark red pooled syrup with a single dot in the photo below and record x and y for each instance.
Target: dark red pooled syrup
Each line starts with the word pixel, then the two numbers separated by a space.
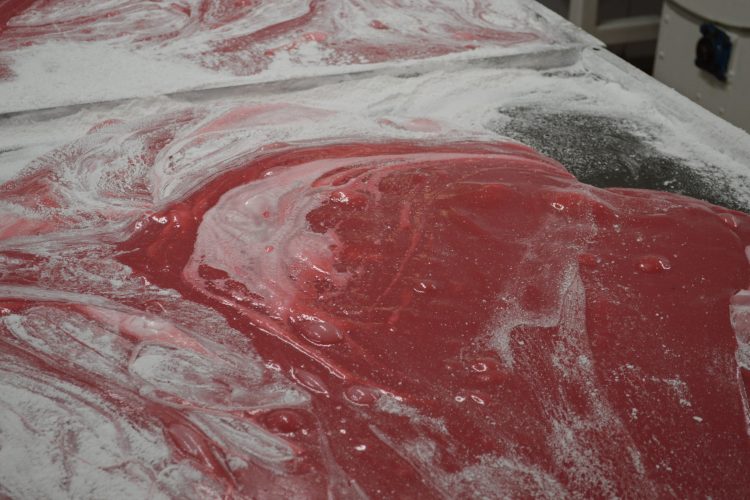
pixel 469 320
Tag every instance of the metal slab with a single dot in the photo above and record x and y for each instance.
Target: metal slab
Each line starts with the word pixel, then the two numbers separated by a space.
pixel 78 51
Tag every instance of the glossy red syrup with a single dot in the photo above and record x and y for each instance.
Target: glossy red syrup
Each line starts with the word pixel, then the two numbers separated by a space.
pixel 469 319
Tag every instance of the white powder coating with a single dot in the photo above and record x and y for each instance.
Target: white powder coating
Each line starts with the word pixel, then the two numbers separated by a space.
pixel 85 446
pixel 111 174
pixel 461 101
pixel 145 49
pixel 740 315
pixel 740 318
pixel 70 442
pixel 485 479
pixel 65 73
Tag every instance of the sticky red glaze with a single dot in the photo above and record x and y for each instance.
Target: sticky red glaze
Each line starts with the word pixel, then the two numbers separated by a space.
pixel 244 37
pixel 11 8
pixel 582 332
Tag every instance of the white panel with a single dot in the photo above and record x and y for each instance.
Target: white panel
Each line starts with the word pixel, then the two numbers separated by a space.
pixel 730 12
pixel 675 66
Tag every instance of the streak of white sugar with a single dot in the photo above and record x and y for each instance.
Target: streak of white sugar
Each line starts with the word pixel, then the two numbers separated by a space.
pixel 740 319
pixel 53 431
pixel 438 96
pixel 121 63
pixel 95 72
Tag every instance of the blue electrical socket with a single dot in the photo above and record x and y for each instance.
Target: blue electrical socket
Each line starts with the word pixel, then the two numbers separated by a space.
pixel 713 51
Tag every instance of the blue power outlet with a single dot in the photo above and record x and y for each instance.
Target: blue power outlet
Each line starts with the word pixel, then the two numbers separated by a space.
pixel 713 51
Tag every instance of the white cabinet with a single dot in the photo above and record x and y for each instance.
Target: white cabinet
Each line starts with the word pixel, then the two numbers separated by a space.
pixel 676 54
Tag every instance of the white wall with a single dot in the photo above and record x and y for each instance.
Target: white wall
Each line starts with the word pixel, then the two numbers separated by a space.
pixel 641 54
pixel 610 9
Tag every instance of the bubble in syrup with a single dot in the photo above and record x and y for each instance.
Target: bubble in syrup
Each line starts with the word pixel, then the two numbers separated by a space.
pixel 652 264
pixel 477 399
pixel 319 332
pixel 425 286
pixel 479 367
pixel 487 370
pixel 730 220
pixel 360 395
pixel 309 381
pixel 283 421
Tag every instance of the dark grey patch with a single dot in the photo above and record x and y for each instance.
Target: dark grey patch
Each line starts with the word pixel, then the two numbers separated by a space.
pixel 408 75
pixel 606 152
